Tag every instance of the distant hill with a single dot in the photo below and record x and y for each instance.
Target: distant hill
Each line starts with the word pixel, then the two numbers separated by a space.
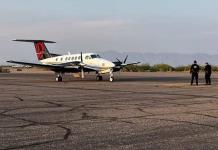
pixel 174 59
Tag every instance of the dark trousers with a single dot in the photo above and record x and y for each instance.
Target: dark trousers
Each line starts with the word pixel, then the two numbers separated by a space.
pixel 194 76
pixel 207 78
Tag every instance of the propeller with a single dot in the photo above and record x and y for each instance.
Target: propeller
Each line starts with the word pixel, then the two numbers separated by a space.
pixel 120 63
pixel 82 66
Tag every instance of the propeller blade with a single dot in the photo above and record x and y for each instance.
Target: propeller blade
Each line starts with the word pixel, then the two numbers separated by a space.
pixel 125 59
pixel 118 60
pixel 81 55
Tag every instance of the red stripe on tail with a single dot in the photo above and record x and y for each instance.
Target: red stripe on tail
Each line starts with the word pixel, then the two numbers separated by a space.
pixel 40 49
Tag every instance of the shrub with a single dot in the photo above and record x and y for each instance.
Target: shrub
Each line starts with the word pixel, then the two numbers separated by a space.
pixel 161 67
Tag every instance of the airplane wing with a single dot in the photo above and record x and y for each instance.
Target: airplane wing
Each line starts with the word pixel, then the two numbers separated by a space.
pixel 64 67
pixel 120 65
pixel 134 63
pixel 32 64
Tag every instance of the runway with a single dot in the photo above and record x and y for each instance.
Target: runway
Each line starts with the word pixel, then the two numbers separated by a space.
pixel 137 111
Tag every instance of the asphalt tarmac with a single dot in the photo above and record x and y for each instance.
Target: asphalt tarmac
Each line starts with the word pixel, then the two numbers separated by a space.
pixel 137 111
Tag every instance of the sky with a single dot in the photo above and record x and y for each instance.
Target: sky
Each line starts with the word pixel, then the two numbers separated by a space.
pixel 159 26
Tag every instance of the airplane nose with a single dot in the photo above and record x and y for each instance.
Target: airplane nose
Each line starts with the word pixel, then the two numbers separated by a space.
pixel 111 65
pixel 108 64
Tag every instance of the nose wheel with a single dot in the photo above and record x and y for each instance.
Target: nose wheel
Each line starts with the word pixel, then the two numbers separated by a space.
pixel 58 78
pixel 111 79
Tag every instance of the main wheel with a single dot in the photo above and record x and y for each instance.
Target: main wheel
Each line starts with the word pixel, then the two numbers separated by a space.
pixel 58 79
pixel 99 78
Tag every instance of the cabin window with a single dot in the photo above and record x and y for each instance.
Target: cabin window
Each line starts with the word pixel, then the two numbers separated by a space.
pixel 72 58
pixel 76 58
pixel 79 57
pixel 68 58
pixel 87 57
pixel 61 59
pixel 65 58
pixel 95 56
pixel 56 59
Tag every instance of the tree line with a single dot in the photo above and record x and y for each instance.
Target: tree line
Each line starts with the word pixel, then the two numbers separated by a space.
pixel 161 68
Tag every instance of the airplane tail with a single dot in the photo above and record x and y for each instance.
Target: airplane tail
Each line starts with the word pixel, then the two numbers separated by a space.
pixel 41 50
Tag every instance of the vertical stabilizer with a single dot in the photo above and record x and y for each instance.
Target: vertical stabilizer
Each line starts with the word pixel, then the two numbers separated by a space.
pixel 41 50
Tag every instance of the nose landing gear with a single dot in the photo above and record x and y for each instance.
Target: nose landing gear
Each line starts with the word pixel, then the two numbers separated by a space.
pixel 111 79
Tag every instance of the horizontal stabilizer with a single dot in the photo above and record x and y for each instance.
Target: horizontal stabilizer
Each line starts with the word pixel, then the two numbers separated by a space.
pixel 33 41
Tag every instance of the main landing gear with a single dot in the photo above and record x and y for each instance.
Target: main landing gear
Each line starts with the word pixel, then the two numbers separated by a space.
pixel 58 77
pixel 99 77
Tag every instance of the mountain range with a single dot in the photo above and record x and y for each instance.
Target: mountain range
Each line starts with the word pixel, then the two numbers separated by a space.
pixel 173 59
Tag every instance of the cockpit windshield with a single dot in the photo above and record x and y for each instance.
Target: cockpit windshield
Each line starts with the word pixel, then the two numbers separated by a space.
pixel 95 56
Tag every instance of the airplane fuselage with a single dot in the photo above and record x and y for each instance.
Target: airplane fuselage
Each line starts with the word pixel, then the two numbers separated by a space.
pixel 91 60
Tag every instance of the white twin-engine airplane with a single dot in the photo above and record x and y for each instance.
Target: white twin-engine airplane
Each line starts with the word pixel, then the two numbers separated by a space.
pixel 72 63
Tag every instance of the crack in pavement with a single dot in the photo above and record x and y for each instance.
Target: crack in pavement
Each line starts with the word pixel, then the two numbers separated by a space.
pixel 53 103
pixel 142 110
pixel 182 121
pixel 68 132
pixel 75 108
pixel 19 98
pixel 205 115
pixel 31 144
pixel 36 107
pixel 87 117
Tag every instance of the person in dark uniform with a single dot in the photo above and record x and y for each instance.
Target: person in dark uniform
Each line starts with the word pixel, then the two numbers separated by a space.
pixel 194 72
pixel 208 71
